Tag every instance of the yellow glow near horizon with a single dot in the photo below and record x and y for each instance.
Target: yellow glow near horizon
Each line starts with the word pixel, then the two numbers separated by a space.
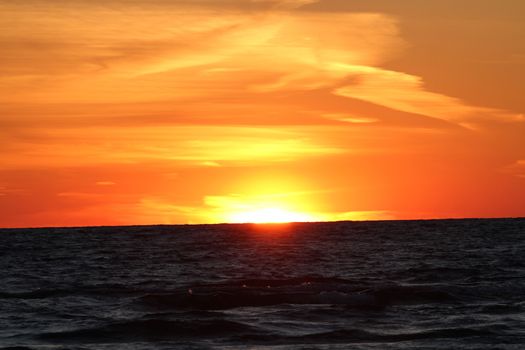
pixel 269 215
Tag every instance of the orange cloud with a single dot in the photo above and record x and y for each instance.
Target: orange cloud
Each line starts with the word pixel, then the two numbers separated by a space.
pixel 516 169
pixel 140 54
pixel 254 208
pixel 407 93
pixel 185 145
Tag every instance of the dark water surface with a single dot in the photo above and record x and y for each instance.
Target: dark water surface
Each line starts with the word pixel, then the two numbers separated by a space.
pixel 450 284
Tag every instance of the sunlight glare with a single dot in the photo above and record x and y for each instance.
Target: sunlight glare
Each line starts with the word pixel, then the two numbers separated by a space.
pixel 270 215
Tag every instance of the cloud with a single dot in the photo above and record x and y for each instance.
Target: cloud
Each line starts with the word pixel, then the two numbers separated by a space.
pixel 286 4
pixel 7 191
pixel 196 65
pixel 363 215
pixel 105 183
pixel 346 118
pixel 250 208
pixel 157 210
pixel 517 169
pixel 210 164
pixel 405 92
pixel 143 54
pixel 157 51
pixel 182 145
pixel 80 195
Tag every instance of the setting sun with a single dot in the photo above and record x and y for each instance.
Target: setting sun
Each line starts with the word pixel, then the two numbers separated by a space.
pixel 270 215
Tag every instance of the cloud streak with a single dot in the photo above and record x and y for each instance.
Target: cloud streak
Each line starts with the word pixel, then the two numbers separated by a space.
pixel 516 169
pixel 153 53
pixel 405 92
pixel 184 145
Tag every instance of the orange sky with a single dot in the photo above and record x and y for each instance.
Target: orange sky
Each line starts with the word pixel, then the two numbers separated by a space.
pixel 184 111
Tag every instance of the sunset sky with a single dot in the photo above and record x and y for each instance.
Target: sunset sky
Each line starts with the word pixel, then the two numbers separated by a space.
pixel 203 111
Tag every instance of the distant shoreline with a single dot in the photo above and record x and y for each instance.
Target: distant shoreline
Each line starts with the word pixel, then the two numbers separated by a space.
pixel 258 224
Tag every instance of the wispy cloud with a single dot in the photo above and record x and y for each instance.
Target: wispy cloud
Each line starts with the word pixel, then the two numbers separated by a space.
pixel 352 119
pixel 407 93
pixel 140 53
pixel 184 145
pixel 516 169
pixel 80 195
pixel 105 183
pixel 230 208
pixel 285 4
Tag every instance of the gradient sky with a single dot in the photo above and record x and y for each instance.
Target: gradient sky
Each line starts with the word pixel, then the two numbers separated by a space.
pixel 200 111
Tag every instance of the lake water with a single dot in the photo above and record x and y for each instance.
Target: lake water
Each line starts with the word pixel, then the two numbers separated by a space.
pixel 443 284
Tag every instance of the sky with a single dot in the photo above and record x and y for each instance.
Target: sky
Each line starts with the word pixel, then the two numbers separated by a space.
pixel 121 112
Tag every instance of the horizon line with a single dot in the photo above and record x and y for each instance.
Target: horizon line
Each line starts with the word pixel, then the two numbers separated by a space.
pixel 263 224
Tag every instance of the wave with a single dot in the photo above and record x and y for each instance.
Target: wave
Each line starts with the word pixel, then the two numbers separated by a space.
pixel 84 290
pixel 237 332
pixel 150 329
pixel 267 292
pixel 353 335
pixel 414 294
pixel 345 336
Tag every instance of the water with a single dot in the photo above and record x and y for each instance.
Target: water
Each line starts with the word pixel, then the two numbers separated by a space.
pixel 451 284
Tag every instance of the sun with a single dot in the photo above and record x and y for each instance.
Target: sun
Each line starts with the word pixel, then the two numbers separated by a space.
pixel 270 216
